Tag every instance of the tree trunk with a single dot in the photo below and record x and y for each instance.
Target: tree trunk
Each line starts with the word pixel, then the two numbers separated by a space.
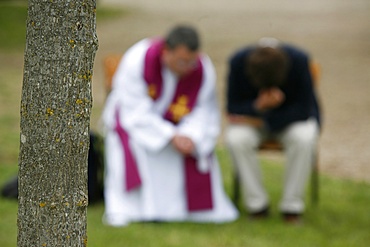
pixel 61 43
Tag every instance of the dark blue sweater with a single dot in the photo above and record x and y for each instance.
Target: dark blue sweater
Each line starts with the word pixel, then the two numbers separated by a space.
pixel 300 99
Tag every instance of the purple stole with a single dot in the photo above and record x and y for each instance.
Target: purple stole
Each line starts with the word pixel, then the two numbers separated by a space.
pixel 197 184
pixel 132 176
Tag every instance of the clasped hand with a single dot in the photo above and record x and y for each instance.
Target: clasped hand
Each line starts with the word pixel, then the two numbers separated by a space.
pixel 269 99
pixel 183 144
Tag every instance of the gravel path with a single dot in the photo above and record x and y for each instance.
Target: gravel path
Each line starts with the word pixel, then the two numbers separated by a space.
pixel 335 32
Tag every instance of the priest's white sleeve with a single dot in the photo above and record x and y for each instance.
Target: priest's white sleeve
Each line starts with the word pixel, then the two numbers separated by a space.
pixel 202 125
pixel 136 109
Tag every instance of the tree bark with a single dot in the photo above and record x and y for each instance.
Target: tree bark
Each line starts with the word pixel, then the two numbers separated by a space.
pixel 56 103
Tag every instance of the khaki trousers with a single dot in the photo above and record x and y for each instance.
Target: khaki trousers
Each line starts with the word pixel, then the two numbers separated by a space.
pixel 299 140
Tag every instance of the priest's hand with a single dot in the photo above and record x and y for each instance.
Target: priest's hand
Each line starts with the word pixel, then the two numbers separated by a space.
pixel 183 144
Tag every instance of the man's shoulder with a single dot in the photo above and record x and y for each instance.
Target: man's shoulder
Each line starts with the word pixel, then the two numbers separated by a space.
pixel 140 46
pixel 294 51
pixel 238 57
pixel 134 56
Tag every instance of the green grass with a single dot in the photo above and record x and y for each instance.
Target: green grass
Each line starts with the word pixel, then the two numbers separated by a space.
pixel 341 219
pixel 12 26
pixel 13 16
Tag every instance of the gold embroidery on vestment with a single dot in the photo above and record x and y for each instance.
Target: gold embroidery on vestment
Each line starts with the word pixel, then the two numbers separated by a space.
pixel 152 91
pixel 179 108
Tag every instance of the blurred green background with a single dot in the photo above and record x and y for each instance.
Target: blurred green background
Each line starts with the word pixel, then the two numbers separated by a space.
pixel 342 217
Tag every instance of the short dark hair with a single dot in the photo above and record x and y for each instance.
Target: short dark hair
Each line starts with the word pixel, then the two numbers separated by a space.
pixel 267 67
pixel 183 35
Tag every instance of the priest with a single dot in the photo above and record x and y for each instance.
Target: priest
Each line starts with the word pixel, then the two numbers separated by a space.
pixel 162 123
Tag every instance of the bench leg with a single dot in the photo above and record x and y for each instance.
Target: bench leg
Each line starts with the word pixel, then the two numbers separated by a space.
pixel 236 189
pixel 315 183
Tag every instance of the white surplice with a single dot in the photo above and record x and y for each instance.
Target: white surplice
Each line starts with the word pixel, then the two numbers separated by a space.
pixel 161 197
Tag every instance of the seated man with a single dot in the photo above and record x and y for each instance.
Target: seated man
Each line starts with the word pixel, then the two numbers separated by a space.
pixel 270 94
pixel 162 124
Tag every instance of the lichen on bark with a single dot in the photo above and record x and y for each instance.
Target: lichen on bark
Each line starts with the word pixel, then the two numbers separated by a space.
pixel 61 43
